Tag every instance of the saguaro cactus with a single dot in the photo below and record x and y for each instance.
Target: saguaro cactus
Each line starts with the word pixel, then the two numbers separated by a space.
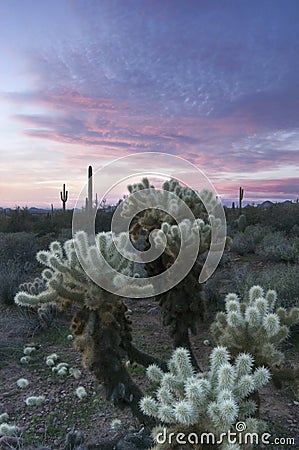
pixel 89 199
pixel 91 205
pixel 241 195
pixel 63 197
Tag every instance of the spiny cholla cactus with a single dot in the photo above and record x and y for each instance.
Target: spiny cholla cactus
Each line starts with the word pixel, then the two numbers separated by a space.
pixel 66 281
pixel 186 231
pixel 254 326
pixel 169 199
pixel 179 217
pixel 101 329
pixel 205 402
pixel 45 313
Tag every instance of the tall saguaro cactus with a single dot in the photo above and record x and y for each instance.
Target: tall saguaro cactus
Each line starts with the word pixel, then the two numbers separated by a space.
pixel 90 210
pixel 241 194
pixel 89 200
pixel 63 197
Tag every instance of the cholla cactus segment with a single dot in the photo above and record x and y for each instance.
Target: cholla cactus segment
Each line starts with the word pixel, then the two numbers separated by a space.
pixel 53 356
pixel 154 373
pixel 271 297
pixel 81 392
pixel 22 383
pixel 25 359
pixel 271 324
pixel 212 401
pixel 254 326
pixel 261 376
pixel 50 362
pixel 149 406
pixel 182 362
pixel 28 350
pixel 243 363
pixel 9 430
pixel 185 413
pixel 219 357
pixel 62 372
pixel 35 400
pixel 115 424
pixel 255 292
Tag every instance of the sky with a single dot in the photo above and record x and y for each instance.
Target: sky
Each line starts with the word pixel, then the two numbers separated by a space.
pixel 82 82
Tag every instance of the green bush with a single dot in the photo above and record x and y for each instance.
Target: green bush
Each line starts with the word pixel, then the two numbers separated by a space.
pixel 20 247
pixel 247 241
pixel 277 247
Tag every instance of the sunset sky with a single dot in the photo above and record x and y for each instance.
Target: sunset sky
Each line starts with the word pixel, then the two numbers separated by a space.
pixel 87 81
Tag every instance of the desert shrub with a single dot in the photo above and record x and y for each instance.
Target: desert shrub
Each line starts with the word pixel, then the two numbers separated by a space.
pixel 277 247
pixel 284 279
pixel 282 217
pixel 295 231
pixel 20 247
pixel 243 244
pixel 247 241
pixel 12 273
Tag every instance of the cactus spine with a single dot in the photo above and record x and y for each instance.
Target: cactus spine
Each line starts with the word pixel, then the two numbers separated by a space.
pixel 63 197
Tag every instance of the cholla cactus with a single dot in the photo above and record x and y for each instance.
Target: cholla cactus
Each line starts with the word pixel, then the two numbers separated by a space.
pixel 254 326
pixel 210 402
pixel 45 313
pixel 101 330
pixel 178 217
pixel 66 282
